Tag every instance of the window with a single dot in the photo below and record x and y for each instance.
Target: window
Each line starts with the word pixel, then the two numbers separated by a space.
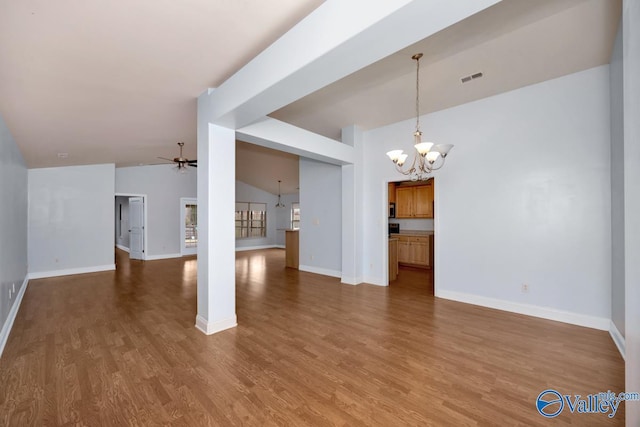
pixel 295 216
pixel 190 225
pixel 251 220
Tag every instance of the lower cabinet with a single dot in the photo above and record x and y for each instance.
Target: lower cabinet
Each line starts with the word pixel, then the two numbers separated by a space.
pixel 413 250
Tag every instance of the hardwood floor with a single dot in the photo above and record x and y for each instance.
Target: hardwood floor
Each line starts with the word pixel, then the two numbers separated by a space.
pixel 120 348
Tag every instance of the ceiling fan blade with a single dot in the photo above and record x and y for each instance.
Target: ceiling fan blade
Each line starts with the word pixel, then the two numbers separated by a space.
pixel 194 165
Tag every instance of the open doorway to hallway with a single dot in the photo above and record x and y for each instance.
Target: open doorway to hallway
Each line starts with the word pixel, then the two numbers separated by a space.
pixel 130 220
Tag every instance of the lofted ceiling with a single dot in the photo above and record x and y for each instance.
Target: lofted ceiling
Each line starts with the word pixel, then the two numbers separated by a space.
pixel 118 83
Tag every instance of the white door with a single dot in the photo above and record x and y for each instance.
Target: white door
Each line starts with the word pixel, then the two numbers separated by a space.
pixel 136 227
pixel 188 226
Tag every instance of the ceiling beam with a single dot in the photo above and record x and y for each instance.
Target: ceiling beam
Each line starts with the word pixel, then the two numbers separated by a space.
pixel 337 39
pixel 277 135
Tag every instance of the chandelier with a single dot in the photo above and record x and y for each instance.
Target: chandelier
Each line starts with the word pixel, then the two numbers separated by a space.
pixel 279 204
pixel 427 157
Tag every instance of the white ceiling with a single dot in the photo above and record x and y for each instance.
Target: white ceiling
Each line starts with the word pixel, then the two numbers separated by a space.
pixel 118 84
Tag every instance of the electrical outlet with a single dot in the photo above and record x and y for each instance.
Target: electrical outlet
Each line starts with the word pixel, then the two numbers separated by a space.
pixel 13 286
pixel 525 288
pixel 311 257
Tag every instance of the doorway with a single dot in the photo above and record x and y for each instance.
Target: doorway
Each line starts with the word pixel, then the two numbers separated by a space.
pixel 130 230
pixel 188 226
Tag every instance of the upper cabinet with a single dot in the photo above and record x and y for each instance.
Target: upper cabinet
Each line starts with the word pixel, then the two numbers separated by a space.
pixel 415 201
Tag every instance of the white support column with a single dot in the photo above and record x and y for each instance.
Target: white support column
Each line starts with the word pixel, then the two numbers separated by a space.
pixel 216 238
pixel 352 202
pixel 631 69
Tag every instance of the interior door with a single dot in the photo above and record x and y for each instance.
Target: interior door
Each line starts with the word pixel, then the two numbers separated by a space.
pixel 136 228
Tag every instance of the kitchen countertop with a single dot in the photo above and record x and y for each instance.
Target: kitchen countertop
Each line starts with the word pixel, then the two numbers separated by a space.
pixel 414 233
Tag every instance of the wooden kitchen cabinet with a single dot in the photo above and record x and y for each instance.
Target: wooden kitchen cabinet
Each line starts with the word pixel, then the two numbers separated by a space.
pixel 414 201
pixel 413 250
pixel 404 202
pixel 292 248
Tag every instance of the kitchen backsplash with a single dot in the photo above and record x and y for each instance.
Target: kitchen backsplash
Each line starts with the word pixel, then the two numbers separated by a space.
pixel 414 224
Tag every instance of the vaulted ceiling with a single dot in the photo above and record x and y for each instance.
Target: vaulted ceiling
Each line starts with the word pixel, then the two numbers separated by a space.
pixel 117 82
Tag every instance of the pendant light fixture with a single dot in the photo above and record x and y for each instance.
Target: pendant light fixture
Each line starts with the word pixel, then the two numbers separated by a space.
pixel 427 157
pixel 279 204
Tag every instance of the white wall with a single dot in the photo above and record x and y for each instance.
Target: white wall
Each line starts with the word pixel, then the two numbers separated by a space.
pixel 163 187
pixel 320 217
pixel 13 230
pixel 248 193
pixel 71 220
pixel 524 198
pixel 122 221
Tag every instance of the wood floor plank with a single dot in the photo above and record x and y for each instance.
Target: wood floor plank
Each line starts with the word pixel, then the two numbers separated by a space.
pixel 120 348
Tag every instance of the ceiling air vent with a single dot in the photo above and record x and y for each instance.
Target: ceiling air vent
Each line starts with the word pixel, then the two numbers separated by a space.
pixel 471 77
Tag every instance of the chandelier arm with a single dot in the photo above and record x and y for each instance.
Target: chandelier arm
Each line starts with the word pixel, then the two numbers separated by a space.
pixel 434 168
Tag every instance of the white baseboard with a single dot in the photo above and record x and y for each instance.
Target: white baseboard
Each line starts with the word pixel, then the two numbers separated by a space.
pixel 594 322
pixel 318 270
pixel 350 280
pixel 617 337
pixel 254 248
pixel 280 246
pixel 374 281
pixel 209 328
pixel 8 323
pixel 124 248
pixel 70 271
pixel 163 256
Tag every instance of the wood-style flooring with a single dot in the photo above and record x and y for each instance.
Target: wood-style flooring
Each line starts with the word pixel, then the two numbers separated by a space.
pixel 120 348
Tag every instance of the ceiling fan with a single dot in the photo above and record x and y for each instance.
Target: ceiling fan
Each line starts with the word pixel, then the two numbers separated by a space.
pixel 181 162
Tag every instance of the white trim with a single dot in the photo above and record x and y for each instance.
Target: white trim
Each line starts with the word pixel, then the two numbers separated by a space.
pixel 209 328
pixel 351 280
pixel 253 248
pixel 594 322
pixel 8 323
pixel 375 281
pixel 162 256
pixel 318 270
pixel 617 337
pixel 121 247
pixel 70 271
pixel 280 246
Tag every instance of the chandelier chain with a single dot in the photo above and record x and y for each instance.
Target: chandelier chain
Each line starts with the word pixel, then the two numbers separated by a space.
pixel 418 94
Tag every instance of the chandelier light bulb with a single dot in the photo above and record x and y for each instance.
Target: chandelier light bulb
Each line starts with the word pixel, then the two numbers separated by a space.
pixel 423 147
